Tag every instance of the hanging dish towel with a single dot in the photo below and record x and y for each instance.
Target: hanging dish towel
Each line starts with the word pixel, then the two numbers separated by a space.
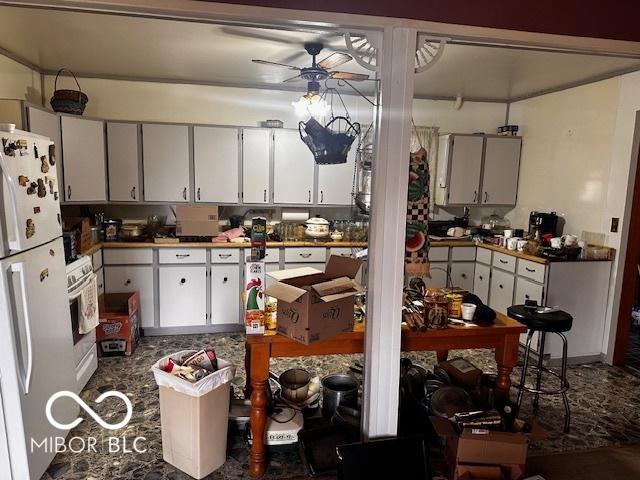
pixel 88 307
pixel 417 236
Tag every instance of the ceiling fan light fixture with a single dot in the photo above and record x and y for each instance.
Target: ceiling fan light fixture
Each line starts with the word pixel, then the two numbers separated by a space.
pixel 310 104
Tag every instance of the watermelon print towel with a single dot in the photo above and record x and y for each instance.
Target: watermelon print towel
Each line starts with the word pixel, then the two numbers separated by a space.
pixel 417 239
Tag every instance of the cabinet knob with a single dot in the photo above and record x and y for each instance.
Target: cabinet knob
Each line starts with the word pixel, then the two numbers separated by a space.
pixel 486 197
pixel 128 282
pixel 475 196
pixel 321 196
pixel 182 255
pixel 264 195
pixel 480 277
pixel 500 286
pixel 532 270
pixel 184 193
pixel 225 279
pixel 464 275
pixel 309 196
pixel 305 255
pixel 68 192
pixel 198 194
pixel 503 261
pixel 527 297
pixel 133 193
pixel 183 281
pixel 224 255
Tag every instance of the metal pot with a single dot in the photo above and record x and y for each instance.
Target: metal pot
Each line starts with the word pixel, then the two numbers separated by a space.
pixel 131 231
pixel 295 384
pixel 338 390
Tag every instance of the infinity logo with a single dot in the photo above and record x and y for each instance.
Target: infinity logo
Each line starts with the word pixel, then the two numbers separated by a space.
pixel 89 410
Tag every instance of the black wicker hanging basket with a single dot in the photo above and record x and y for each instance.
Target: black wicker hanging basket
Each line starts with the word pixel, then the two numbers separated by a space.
pixel 68 101
pixel 329 145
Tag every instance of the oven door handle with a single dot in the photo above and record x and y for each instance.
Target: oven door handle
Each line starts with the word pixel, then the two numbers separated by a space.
pixel 76 292
pixel 20 269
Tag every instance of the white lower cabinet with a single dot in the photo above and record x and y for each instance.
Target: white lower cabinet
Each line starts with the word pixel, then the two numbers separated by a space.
pixel 439 272
pixel 225 294
pixel 501 291
pixel 183 296
pixel 462 275
pixel 528 290
pixel 481 280
pixel 100 279
pixel 134 278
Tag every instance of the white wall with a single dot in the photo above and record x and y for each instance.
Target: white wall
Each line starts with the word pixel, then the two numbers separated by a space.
pixel 473 117
pixel 566 154
pixel 18 81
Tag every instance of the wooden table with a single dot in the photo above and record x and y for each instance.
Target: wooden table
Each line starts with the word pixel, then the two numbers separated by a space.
pixel 503 336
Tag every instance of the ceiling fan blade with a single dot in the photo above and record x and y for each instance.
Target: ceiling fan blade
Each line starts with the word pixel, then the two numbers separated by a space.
pixel 275 64
pixel 292 79
pixel 334 60
pixel 356 77
pixel 295 57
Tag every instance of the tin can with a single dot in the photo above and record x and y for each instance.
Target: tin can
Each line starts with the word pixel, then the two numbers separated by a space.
pixel 258 238
pixel 436 312
pixel 455 305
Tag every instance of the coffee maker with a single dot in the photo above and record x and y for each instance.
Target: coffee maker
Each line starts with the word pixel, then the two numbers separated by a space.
pixel 544 223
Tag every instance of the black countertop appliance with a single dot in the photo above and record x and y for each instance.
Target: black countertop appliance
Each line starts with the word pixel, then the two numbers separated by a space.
pixel 544 223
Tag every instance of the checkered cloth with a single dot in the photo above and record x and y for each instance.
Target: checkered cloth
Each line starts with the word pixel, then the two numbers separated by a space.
pixel 417 234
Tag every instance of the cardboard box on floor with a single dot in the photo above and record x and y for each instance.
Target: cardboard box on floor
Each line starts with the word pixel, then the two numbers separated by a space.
pixel 313 305
pixel 503 449
pixel 196 220
pixel 118 332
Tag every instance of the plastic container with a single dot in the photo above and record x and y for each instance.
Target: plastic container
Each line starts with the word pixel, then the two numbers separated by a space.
pixel 194 417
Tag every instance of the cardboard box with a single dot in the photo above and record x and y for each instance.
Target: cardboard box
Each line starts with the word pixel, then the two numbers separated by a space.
pixel 196 220
pixel 313 305
pixel 462 371
pixel 478 472
pixel 254 297
pixel 83 224
pixel 118 333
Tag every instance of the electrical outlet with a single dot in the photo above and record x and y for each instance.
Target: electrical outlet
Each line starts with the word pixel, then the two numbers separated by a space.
pixel 615 222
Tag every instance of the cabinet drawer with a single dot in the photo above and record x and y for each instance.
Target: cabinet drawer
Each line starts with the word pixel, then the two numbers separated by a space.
pixel 96 259
pixel 483 255
pixel 127 256
pixel 305 255
pixel 463 254
pixel 344 251
pixel 438 254
pixel 271 255
pixel 225 255
pixel 182 255
pixel 532 270
pixel 504 261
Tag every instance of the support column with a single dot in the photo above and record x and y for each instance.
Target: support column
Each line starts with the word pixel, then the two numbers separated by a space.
pixel 387 234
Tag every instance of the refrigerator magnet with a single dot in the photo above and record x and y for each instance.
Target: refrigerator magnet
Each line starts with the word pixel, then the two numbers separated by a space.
pixel 44 166
pixel 44 274
pixel 42 189
pixel 23 180
pixel 31 228
pixel 52 155
pixel 36 210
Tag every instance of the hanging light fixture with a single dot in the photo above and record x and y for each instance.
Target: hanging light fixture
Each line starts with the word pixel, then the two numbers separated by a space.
pixel 311 103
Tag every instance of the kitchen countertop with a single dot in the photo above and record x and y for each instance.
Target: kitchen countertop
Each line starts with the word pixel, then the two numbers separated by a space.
pixel 121 244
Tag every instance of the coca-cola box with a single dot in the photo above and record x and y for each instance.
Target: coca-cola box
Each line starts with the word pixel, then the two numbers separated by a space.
pixel 118 332
pixel 315 305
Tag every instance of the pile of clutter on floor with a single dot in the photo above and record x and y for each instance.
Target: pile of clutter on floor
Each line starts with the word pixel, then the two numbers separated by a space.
pixel 193 367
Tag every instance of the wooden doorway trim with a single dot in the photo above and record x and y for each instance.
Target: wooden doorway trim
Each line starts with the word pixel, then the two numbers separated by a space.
pixel 629 275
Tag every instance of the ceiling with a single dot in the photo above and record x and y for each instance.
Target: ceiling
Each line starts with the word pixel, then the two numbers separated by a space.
pixel 165 50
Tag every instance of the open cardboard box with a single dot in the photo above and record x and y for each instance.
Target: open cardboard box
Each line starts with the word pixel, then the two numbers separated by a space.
pixel 197 220
pixel 313 305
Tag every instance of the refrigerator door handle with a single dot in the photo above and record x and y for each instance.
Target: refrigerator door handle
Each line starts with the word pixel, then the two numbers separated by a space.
pixel 20 268
pixel 13 196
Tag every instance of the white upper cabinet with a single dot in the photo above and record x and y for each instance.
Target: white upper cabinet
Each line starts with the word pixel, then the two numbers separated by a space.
pixel 123 154
pixel 501 167
pixel 165 150
pixel 293 165
pixel 47 124
pixel 459 167
pixel 83 150
pixel 256 146
pixel 335 182
pixel 215 151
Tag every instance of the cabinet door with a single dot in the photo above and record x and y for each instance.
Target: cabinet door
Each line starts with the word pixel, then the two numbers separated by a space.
pixel 335 182
pixel 293 166
pixel 132 279
pixel 481 282
pixel 528 290
pixel 501 291
pixel 183 296
pixel 501 167
pixel 83 160
pixel 462 275
pixel 123 154
pixel 439 273
pixel 225 294
pixel 165 157
pixel 100 278
pixel 47 124
pixel 256 149
pixel 464 170
pixel 215 157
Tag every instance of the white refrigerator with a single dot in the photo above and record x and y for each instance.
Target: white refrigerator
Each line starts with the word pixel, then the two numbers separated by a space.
pixel 36 344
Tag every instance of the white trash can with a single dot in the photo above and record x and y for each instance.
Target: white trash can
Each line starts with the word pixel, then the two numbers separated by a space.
pixel 194 417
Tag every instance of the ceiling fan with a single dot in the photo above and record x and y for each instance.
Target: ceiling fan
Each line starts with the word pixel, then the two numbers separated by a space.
pixel 319 71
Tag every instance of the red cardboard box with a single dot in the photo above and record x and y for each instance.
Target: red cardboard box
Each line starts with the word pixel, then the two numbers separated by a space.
pixel 118 333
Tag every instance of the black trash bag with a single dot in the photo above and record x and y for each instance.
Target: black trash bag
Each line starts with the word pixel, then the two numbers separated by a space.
pixel 484 315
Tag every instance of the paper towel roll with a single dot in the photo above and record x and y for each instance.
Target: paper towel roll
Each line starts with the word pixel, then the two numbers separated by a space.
pixel 294 216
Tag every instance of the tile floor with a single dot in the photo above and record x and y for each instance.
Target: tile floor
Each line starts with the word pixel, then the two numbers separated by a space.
pixel 633 354
pixel 605 405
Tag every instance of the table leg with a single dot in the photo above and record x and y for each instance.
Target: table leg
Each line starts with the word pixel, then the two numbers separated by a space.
pixel 442 355
pixel 506 358
pixel 259 374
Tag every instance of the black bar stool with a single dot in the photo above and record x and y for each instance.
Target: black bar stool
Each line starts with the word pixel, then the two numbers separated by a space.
pixel 556 322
